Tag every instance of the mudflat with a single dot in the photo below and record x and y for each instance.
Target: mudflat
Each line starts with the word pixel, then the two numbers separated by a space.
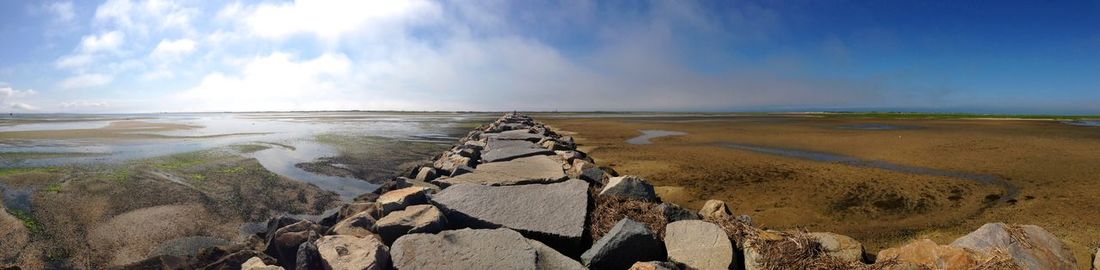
pixel 882 181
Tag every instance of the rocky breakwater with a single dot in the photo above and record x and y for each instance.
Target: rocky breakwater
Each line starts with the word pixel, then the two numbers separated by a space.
pixel 514 194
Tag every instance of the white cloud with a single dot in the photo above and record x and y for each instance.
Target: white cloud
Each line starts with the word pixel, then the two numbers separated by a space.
pixel 139 16
pixel 330 20
pixel 73 61
pixel 7 92
pixel 274 82
pixel 105 42
pixel 83 104
pixel 171 48
pixel 62 11
pixel 85 81
pixel 22 106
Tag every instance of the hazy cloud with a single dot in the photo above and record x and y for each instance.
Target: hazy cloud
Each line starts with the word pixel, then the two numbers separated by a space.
pixel 85 81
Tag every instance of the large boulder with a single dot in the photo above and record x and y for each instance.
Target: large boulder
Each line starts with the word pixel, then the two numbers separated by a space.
pixel 504 150
pixel 698 245
pixel 401 198
pixel 715 209
pixel 927 254
pixel 352 252
pixel 551 213
pixel 628 242
pixel 528 170
pixel 548 258
pixel 465 249
pixel 414 219
pixel 523 135
pixel 426 174
pixel 360 224
pixel 840 246
pixel 1030 246
pixel 308 257
pixel 631 187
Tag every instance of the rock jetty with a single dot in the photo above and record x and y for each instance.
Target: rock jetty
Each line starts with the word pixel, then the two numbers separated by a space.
pixel 514 194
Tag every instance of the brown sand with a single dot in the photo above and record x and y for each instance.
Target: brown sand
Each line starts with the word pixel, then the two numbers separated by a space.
pixel 1054 165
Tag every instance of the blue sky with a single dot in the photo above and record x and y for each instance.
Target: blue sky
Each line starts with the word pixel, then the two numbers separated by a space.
pixel 164 55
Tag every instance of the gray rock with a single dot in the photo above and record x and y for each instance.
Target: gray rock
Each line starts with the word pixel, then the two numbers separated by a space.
pixel 715 209
pixel 528 170
pixel 840 246
pixel 626 243
pixel 675 213
pixel 308 258
pixel 361 224
pixel 401 198
pixel 503 150
pixel 351 252
pixel 698 245
pixel 460 170
pixel 284 244
pixel 465 249
pixel 414 219
pixel 631 187
pixel 1030 246
pixel 426 174
pixel 553 213
pixel 548 258
pixel 523 135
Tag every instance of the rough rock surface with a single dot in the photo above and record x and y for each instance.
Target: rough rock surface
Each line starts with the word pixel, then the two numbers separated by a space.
pixel 464 249
pixel 548 258
pixel 1030 246
pixel 414 219
pixel 528 170
pixel 360 224
pixel 630 186
pixel 522 135
pixel 626 243
pixel 551 213
pixel 308 257
pixel 675 213
pixel 840 246
pixel 401 198
pixel 257 264
pixel 654 265
pixel 503 150
pixel 351 252
pixel 925 253
pixel 284 243
pixel 426 174
pixel 698 245
pixel 715 209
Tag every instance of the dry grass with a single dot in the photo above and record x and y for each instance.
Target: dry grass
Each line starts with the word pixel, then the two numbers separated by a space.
pixel 609 210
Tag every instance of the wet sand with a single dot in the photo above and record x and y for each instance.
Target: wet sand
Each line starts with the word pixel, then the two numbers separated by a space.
pixel 1053 165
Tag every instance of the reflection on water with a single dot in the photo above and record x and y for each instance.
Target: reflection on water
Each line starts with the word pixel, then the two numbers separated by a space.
pixel 1010 190
pixel 16 198
pixel 650 134
pixel 293 129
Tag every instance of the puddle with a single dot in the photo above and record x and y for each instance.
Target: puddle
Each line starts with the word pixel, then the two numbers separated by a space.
pixel 650 134
pixel 1010 190
pixel 282 161
pixel 1084 123
pixel 16 198
pixel 876 126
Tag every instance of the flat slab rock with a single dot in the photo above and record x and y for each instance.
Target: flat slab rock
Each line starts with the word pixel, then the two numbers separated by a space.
pixel 522 135
pixel 698 244
pixel 503 150
pixel 476 249
pixel 551 213
pixel 528 170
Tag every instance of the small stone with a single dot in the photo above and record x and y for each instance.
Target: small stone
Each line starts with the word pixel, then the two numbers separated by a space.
pixel 401 198
pixel 631 187
pixel 698 245
pixel 626 243
pixel 715 209
pixel 351 252
pixel 257 264
pixel 414 219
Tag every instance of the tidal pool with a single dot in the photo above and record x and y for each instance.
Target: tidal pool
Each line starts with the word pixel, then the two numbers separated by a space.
pixel 651 134
pixel 1085 123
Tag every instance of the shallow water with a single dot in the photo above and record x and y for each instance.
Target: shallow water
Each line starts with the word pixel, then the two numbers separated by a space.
pixel 295 130
pixel 875 126
pixel 1010 190
pixel 1086 123
pixel 651 134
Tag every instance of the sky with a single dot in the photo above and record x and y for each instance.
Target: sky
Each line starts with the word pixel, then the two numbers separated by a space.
pixel 977 56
